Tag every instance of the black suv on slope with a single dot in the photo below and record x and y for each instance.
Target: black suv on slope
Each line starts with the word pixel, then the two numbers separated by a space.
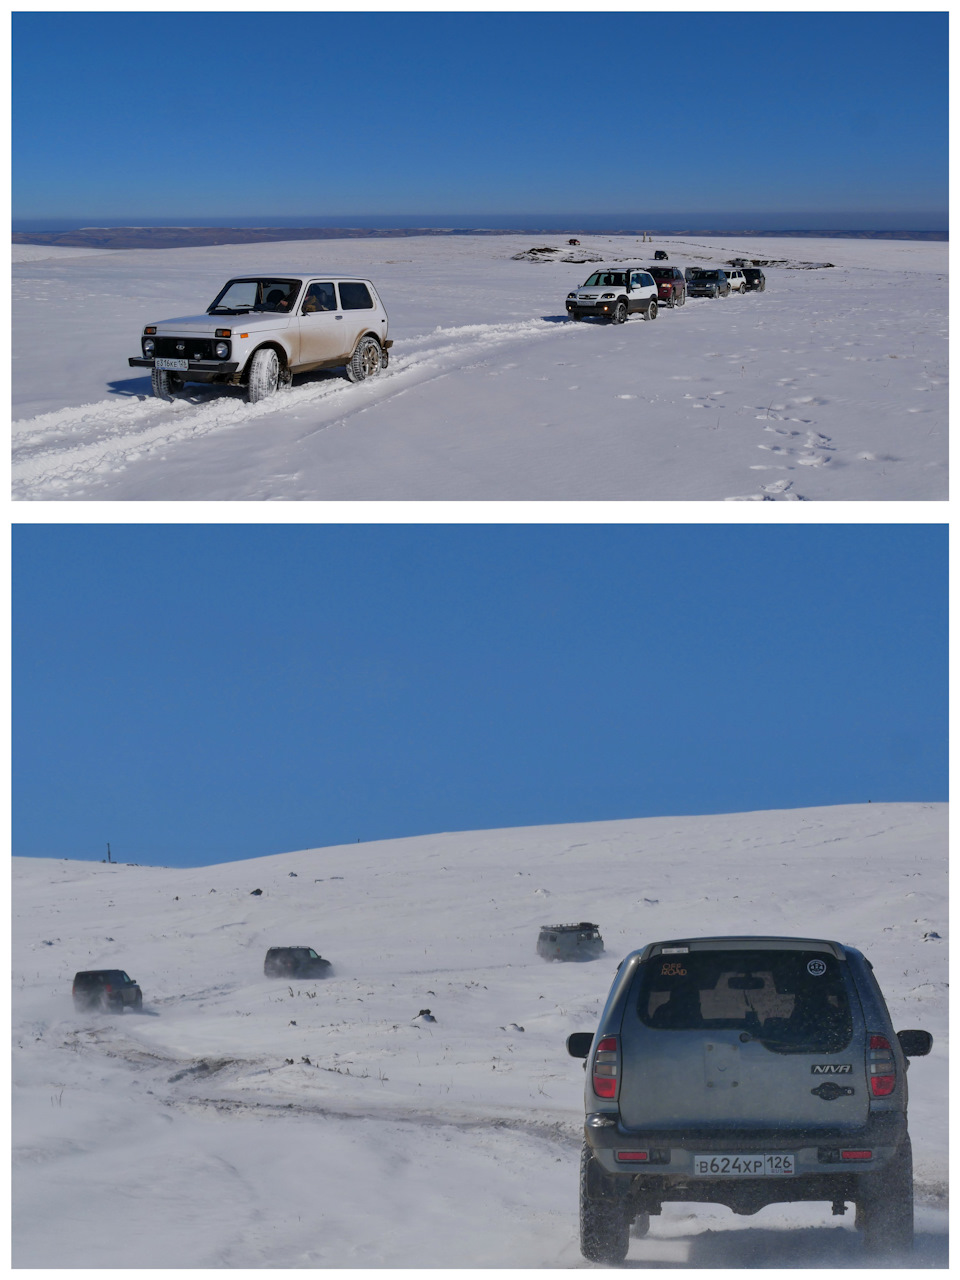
pixel 109 989
pixel 745 1072
pixel 755 279
pixel 295 962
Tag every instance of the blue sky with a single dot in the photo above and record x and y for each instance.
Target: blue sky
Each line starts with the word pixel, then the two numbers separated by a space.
pixel 204 693
pixel 287 114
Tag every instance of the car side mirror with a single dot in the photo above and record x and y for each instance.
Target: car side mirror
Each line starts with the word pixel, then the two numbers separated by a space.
pixel 915 1044
pixel 578 1043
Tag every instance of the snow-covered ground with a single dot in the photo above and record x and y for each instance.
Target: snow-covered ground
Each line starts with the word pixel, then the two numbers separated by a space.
pixel 830 385
pixel 241 1122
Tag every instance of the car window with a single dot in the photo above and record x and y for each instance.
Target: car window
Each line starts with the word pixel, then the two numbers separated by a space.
pixel 794 1001
pixel 320 296
pixel 312 954
pixel 645 278
pixel 355 296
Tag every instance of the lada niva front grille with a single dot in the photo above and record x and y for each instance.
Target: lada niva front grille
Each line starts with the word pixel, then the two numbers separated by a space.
pixel 185 348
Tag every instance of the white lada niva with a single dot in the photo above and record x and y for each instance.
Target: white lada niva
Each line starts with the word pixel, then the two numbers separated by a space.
pixel 262 329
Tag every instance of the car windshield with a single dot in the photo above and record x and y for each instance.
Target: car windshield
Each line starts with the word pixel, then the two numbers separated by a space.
pixel 617 279
pixel 792 1001
pixel 263 293
pixel 661 273
pixel 706 275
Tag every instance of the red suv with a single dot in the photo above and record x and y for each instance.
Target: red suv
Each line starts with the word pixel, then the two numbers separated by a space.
pixel 671 285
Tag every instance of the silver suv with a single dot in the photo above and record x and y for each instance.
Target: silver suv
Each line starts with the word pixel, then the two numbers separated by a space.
pixel 262 329
pixel 745 1072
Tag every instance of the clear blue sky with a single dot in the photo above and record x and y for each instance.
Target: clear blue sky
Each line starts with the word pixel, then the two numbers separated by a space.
pixel 287 114
pixel 202 693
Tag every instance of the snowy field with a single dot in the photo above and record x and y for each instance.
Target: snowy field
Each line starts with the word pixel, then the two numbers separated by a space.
pixel 830 385
pixel 242 1122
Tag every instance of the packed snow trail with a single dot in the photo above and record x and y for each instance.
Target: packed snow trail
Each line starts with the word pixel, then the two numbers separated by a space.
pixel 55 450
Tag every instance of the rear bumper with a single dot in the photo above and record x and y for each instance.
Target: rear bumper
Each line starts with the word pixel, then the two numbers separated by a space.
pixel 817 1151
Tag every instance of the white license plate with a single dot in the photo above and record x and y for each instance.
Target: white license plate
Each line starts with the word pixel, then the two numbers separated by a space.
pixel 752 1166
pixel 178 366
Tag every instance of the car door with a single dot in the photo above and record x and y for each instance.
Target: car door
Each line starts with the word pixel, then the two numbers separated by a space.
pixel 321 322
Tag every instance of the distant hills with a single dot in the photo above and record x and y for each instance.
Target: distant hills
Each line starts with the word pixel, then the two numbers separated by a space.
pixel 195 237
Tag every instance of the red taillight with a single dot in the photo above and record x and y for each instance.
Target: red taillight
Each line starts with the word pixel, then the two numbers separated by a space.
pixel 107 987
pixel 633 1155
pixel 856 1155
pixel 606 1068
pixel 881 1067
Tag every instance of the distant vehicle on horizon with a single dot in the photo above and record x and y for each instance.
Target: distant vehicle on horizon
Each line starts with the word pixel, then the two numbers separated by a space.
pixel 111 990
pixel 295 962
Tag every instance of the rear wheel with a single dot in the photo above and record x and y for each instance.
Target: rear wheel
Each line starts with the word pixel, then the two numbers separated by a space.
pixel 366 360
pixel 885 1206
pixel 604 1227
pixel 166 385
pixel 651 311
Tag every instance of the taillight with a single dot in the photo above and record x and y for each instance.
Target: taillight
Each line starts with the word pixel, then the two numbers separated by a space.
pixel 856 1155
pixel 881 1067
pixel 606 1068
pixel 107 987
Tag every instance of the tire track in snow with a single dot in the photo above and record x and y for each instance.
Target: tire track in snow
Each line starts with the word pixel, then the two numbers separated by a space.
pixel 55 453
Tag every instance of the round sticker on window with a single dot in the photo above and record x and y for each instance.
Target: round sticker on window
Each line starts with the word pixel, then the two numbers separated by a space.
pixel 817 967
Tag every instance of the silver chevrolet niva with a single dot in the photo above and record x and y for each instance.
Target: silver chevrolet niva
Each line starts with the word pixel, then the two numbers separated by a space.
pixel 745 1072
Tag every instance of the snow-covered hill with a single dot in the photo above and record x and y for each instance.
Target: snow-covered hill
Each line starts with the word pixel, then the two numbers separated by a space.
pixel 830 385
pixel 247 1122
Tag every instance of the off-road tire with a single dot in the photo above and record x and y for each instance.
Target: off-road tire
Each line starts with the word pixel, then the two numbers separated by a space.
pixel 761 288
pixel 681 297
pixel 619 314
pixel 604 1226
pixel 651 311
pixel 574 315
pixel 137 1005
pixel 166 385
pixel 366 361
pixel 264 376
pixel 885 1206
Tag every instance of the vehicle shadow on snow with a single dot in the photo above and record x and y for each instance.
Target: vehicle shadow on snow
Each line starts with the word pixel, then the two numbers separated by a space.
pixel 793 1248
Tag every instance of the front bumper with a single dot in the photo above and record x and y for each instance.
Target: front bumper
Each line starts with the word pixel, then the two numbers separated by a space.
pixel 211 368
pixel 591 308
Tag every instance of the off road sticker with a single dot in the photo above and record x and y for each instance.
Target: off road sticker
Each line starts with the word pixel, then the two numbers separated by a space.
pixel 674 969
pixel 816 967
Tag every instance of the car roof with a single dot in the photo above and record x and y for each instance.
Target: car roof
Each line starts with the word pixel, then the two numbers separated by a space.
pixel 747 942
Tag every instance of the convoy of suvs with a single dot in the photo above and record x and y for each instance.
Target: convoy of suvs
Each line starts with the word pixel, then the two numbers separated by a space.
pixel 261 330
pixel 742 1071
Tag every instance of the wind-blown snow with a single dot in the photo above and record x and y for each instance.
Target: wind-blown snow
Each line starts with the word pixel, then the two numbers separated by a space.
pixel 246 1122
pixel 830 385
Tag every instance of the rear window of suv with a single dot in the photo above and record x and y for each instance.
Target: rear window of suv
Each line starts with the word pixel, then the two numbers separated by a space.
pixel 792 1001
pixel 355 296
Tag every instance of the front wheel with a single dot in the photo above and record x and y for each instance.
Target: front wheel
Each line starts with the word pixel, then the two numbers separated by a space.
pixel 619 315
pixel 641 1225
pixel 264 375
pixel 573 314
pixel 366 360
pixel 165 385
pixel 681 297
pixel 885 1206
pixel 604 1226
pixel 651 311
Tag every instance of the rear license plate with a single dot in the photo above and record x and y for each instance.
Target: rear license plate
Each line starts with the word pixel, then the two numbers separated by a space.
pixel 178 366
pixel 752 1166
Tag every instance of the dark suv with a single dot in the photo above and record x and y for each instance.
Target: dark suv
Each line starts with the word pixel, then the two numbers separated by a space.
pixel 745 1072
pixel 671 285
pixel 109 989
pixel 295 962
pixel 755 279
pixel 570 941
pixel 704 282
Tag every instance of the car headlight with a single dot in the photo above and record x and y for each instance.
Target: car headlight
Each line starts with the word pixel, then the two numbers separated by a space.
pixel 148 346
pixel 608 295
pixel 571 295
pixel 222 350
